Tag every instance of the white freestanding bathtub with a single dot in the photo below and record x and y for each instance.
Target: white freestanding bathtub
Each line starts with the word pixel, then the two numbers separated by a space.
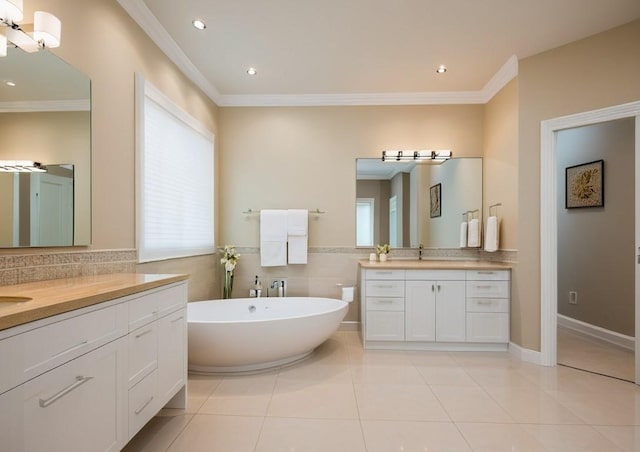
pixel 251 334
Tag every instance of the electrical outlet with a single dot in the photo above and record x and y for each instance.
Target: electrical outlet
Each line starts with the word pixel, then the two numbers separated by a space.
pixel 573 297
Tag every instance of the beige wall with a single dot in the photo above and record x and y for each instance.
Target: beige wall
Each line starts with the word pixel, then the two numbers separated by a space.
pixel 305 158
pixel 6 208
pixel 596 72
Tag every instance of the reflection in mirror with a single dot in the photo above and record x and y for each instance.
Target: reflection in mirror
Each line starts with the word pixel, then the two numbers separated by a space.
pixel 38 207
pixel 46 117
pixel 393 201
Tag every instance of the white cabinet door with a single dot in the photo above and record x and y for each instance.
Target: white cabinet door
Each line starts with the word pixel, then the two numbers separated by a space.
pixel 385 326
pixel 488 327
pixel 10 421
pixel 77 407
pixel 420 310
pixel 172 354
pixel 450 311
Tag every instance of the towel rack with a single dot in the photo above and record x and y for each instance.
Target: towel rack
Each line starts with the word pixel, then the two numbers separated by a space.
pixel 311 212
pixel 470 212
pixel 496 205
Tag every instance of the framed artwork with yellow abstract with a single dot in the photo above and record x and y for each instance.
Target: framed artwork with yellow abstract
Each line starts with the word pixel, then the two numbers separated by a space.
pixel 584 185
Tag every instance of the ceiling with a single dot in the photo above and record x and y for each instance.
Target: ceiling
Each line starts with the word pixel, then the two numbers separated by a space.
pixel 365 52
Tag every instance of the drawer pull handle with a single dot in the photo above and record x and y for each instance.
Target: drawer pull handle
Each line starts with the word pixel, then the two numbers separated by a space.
pixel 384 287
pixel 485 302
pixel 486 273
pixel 383 273
pixel 80 380
pixel 146 404
pixel 138 336
pixel 179 318
pixel 385 301
pixel 433 288
pixel 71 349
pixel 484 287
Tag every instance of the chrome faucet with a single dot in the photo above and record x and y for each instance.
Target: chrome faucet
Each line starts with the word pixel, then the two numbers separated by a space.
pixel 280 285
pixel 420 252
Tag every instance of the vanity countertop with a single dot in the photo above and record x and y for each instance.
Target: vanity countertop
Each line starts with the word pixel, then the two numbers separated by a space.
pixel 57 296
pixel 411 264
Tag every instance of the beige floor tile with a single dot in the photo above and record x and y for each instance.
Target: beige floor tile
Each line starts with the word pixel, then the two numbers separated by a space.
pixel 398 402
pixel 441 359
pixel 470 404
pixel 626 438
pixel 499 377
pixel 315 371
pixel 199 388
pixel 445 375
pixel 410 436
pixel 386 374
pixel 615 408
pixel 565 379
pixel 571 438
pixel 493 360
pixel 532 406
pixel 248 395
pixel 158 434
pixel 310 435
pixel 499 438
pixel 313 400
pixel 207 433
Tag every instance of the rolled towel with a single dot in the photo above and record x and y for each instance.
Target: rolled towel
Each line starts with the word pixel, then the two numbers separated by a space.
pixel 492 234
pixel 473 240
pixel 463 234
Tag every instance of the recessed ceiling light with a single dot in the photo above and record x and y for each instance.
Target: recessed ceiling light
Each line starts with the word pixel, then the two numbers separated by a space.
pixel 10 83
pixel 200 25
pixel 252 71
pixel 441 69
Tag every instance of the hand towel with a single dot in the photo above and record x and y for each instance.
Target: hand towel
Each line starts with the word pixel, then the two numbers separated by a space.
pixel 297 235
pixel 473 240
pixel 273 238
pixel 492 233
pixel 463 234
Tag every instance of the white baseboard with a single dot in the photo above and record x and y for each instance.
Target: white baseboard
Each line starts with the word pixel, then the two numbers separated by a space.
pixel 597 332
pixel 349 325
pixel 524 354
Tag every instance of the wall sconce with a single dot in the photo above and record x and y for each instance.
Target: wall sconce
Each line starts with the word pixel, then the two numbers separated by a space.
pixel 21 166
pixel 46 29
pixel 403 156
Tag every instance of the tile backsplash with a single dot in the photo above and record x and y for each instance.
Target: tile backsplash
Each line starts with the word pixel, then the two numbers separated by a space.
pixel 25 268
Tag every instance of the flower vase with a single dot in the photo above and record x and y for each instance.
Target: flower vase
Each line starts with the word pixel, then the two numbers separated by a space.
pixel 383 257
pixel 228 284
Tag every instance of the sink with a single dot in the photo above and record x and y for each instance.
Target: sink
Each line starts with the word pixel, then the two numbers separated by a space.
pixel 10 300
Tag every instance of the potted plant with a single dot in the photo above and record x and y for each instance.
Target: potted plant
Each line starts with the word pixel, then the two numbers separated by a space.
pixel 382 251
pixel 229 260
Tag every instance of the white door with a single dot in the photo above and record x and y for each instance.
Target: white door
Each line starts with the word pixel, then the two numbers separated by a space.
pixel 51 210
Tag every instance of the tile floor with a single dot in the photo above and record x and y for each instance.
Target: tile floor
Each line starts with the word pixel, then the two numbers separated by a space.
pixel 580 351
pixel 344 399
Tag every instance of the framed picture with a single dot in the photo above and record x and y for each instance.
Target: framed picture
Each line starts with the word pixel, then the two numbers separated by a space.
pixel 584 185
pixel 435 197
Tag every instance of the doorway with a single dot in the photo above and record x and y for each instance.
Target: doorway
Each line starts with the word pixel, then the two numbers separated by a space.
pixel 549 223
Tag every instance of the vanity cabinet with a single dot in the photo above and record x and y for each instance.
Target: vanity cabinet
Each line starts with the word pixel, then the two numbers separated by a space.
pixel 88 380
pixel 435 309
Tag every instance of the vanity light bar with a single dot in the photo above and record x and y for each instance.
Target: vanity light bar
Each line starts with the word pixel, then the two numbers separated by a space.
pixel 21 166
pixel 400 156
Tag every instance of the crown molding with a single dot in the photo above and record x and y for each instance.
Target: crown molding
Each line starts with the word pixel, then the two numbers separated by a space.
pixel 141 14
pixel 45 105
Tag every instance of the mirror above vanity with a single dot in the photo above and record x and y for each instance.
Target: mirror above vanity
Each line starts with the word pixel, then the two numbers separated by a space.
pixel 45 116
pixel 410 203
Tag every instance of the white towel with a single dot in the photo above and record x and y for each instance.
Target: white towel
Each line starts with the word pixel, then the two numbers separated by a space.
pixel 492 234
pixel 297 235
pixel 473 240
pixel 463 234
pixel 273 238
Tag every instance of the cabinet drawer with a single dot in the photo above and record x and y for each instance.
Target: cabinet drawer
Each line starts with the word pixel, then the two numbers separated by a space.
pixel 384 288
pixel 488 275
pixel 435 275
pixel 385 274
pixel 172 298
pixel 143 352
pixel 385 304
pixel 488 327
pixel 142 310
pixel 488 289
pixel 60 342
pixel 487 305
pixel 385 326
pixel 142 403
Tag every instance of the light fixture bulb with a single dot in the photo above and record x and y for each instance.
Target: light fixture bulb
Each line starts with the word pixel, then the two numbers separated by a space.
pixel 10 83
pixel 46 29
pixel 441 69
pixel 11 10
pixel 200 25
pixel 252 71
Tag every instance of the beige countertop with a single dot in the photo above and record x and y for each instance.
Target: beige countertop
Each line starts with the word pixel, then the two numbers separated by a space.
pixel 57 296
pixel 414 264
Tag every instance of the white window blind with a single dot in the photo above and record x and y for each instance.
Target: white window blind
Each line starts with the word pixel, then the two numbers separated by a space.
pixel 174 209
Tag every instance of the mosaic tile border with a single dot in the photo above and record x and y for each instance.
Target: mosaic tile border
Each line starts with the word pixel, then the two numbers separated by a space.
pixel 25 268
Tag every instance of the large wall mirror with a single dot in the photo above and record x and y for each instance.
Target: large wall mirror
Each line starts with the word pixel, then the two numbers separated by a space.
pixel 407 204
pixel 45 116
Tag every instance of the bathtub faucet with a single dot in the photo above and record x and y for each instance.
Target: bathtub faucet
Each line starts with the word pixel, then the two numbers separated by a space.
pixel 280 288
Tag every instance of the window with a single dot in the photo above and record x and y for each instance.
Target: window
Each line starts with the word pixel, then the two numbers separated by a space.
pixel 364 221
pixel 174 179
